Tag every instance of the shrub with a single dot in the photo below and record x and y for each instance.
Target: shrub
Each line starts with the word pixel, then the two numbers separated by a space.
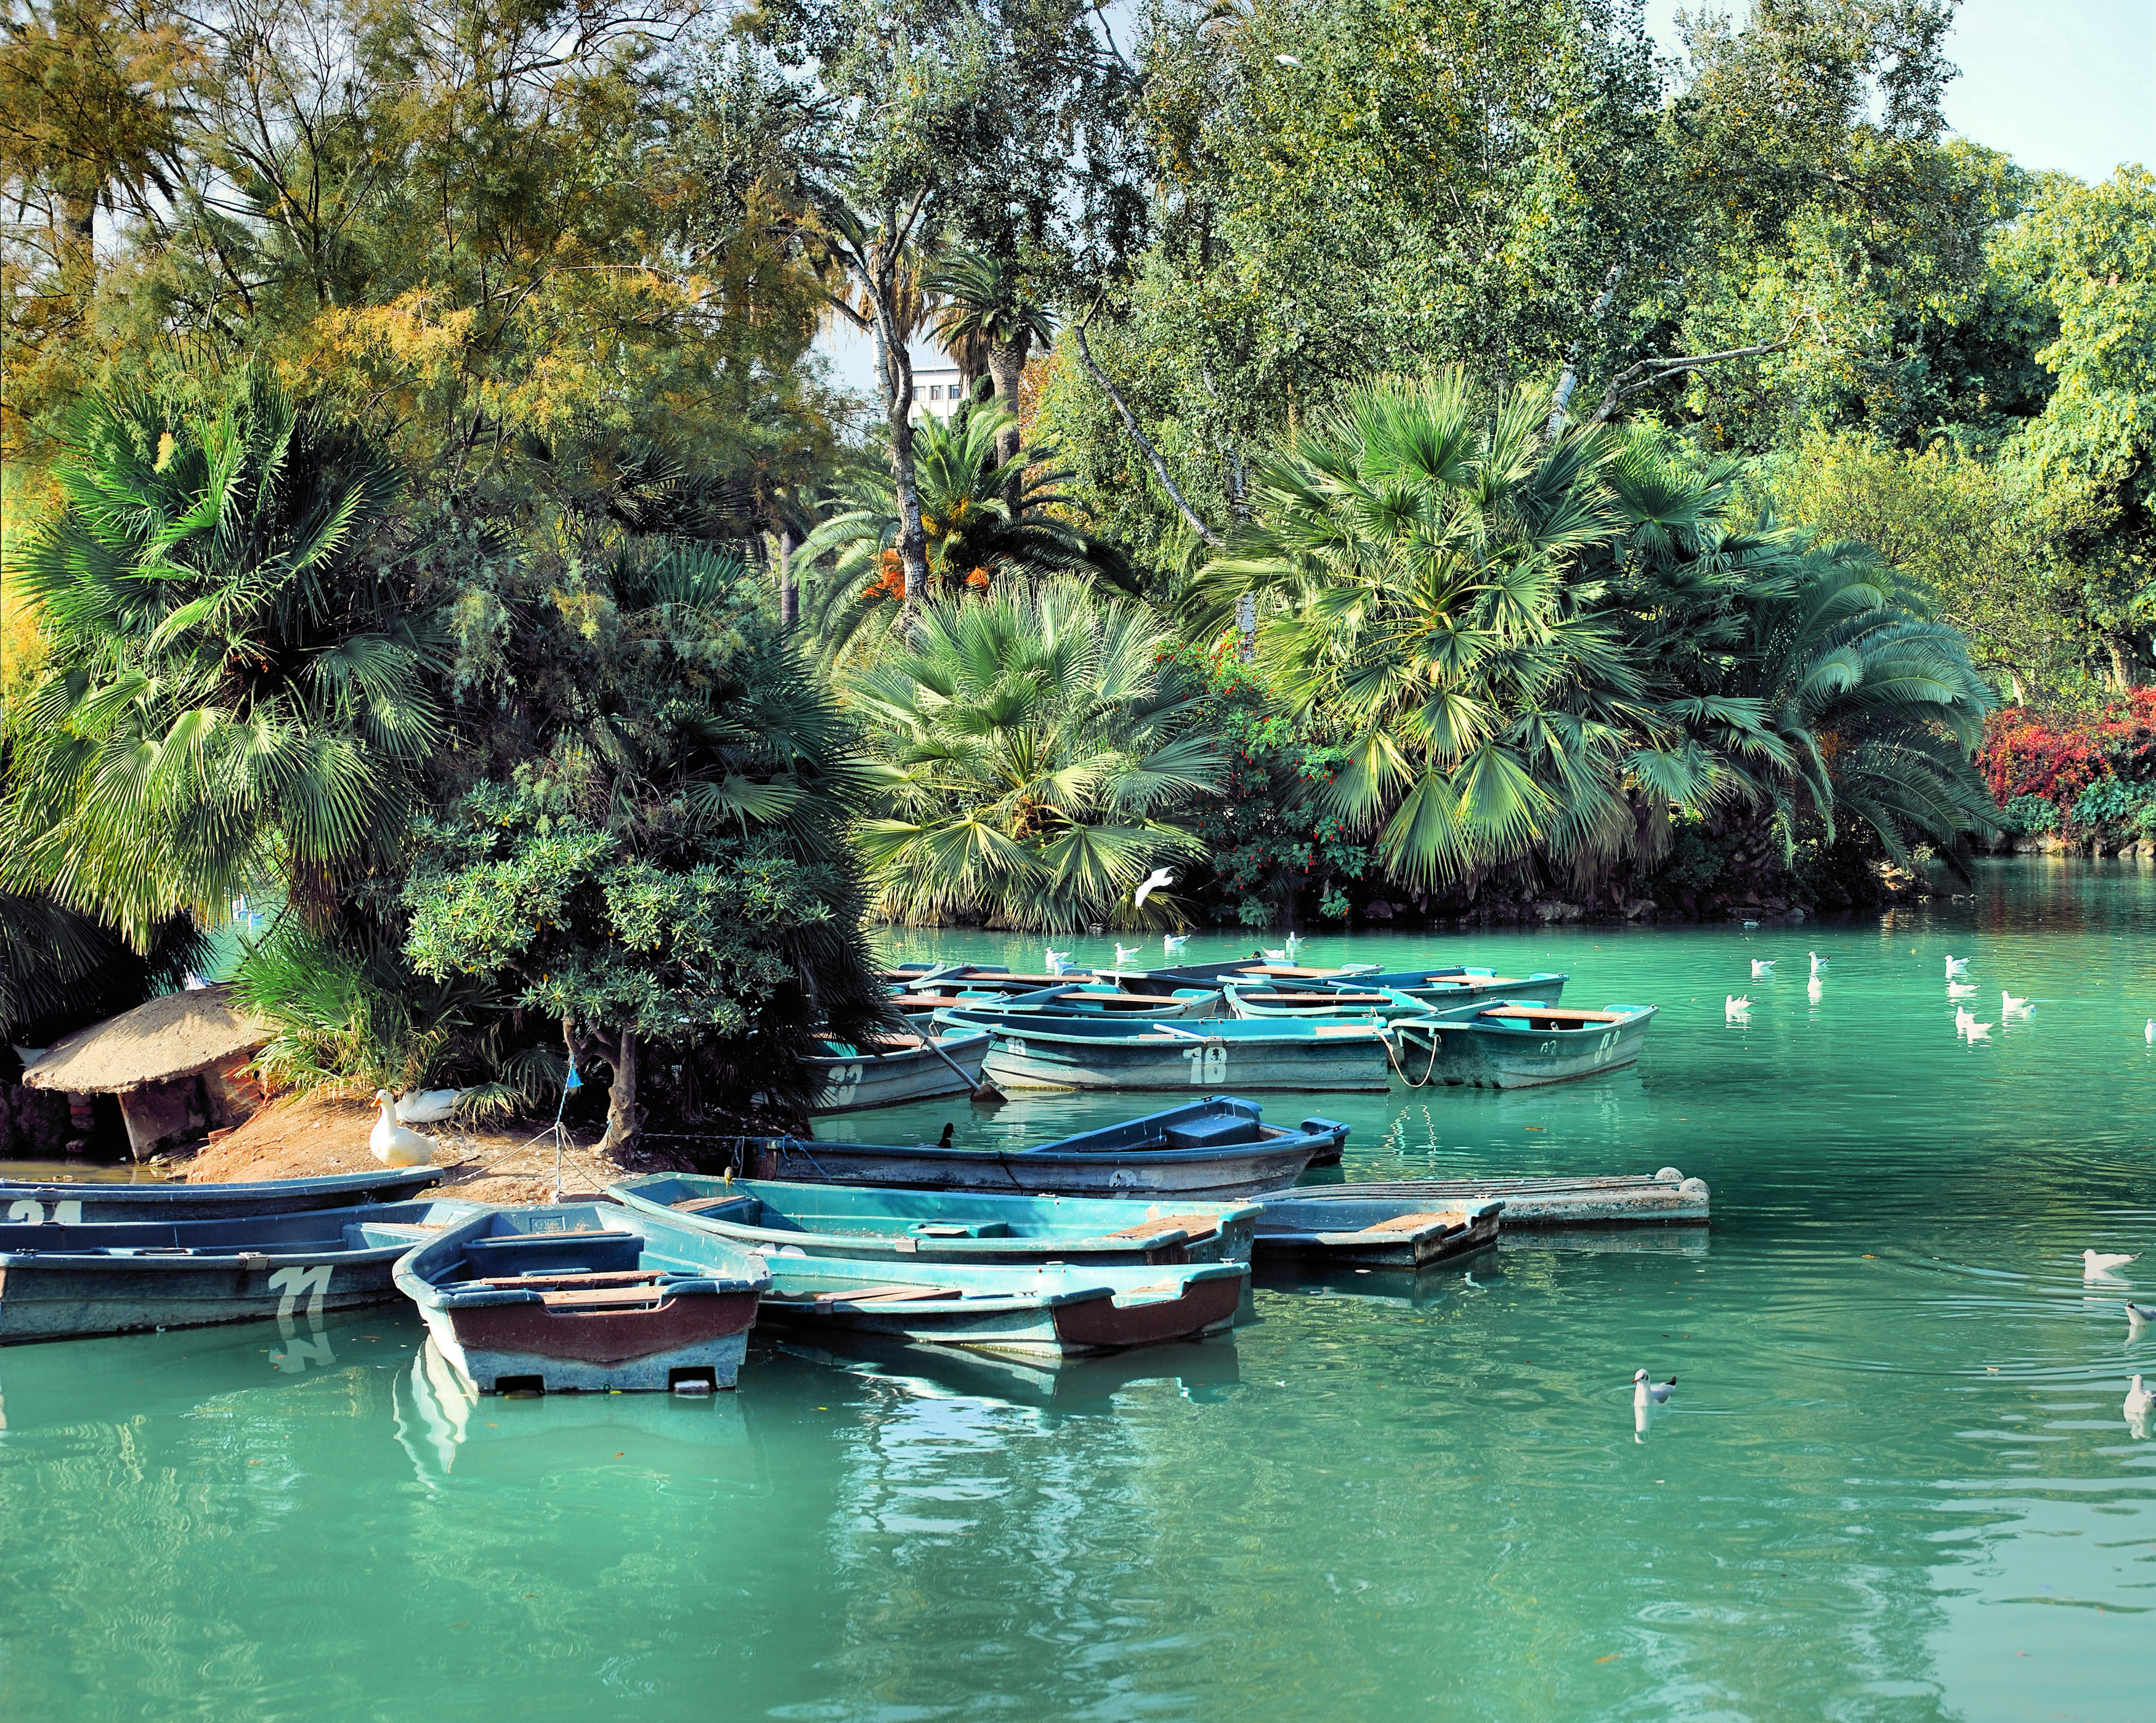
pixel 2029 816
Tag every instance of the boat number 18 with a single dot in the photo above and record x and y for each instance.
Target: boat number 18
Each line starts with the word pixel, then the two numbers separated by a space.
pixel 65 1214
pixel 1208 1065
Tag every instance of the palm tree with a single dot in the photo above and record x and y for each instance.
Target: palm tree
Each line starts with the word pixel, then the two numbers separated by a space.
pixel 1038 754
pixel 234 684
pixel 1422 556
pixel 990 315
pixel 983 517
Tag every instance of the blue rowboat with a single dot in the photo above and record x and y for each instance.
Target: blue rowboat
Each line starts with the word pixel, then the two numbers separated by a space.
pixel 1441 988
pixel 1069 999
pixel 585 1296
pixel 943 1226
pixel 1297 1000
pixel 903 1068
pixel 66 1202
pixel 1303 1054
pixel 1514 1044
pixel 1037 1310
pixel 67 1282
pixel 1219 1150
pixel 1379 1234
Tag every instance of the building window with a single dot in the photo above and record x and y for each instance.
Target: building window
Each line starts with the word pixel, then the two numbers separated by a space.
pixel 936 391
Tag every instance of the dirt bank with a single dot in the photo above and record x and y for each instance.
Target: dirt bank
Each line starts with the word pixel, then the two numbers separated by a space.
pixel 310 1134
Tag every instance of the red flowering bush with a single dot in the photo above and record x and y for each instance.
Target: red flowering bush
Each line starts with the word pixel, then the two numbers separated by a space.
pixel 2028 753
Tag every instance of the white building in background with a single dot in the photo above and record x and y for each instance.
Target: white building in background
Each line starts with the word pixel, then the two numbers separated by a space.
pixel 937 389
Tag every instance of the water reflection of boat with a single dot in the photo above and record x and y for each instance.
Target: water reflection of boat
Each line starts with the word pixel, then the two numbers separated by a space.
pixel 1205 1372
pixel 1657 1241
pixel 450 1430
pixel 1399 1289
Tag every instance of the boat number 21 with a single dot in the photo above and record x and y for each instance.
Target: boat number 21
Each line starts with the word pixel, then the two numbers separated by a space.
pixel 1208 1065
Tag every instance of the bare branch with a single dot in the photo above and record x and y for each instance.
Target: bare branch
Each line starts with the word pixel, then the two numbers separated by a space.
pixel 1137 435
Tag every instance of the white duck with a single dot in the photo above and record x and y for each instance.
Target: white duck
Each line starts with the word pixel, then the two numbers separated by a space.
pixel 2008 1006
pixel 427 1106
pixel 1644 1391
pixel 1156 880
pixel 2103 1262
pixel 393 1146
pixel 1171 943
pixel 1956 966
pixel 1762 967
pixel 1735 1007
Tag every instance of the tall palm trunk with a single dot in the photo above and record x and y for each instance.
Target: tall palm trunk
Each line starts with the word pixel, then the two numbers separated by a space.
pixel 1006 366
pixel 897 381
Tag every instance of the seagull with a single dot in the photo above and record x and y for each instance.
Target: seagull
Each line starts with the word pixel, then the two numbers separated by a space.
pixel 1171 943
pixel 2138 1317
pixel 2148 1034
pixel 1159 879
pixel 2139 1400
pixel 1956 966
pixel 1979 1032
pixel 1057 959
pixel 1762 967
pixel 1126 954
pixel 1963 1017
pixel 1819 962
pixel 2008 1006
pixel 2102 1262
pixel 1643 1391
pixel 1735 1007
pixel 1751 924
pixel 1960 989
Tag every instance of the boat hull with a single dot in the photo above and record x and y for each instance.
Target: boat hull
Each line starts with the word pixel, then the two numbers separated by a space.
pixel 513 1347
pixel 1336 1059
pixel 1383 1235
pixel 68 1203
pixel 852 1082
pixel 1218 1175
pixel 1442 1050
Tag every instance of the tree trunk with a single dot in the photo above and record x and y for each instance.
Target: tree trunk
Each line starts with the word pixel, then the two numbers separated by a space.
pixel 2122 672
pixel 625 1118
pixel 1006 366
pixel 790 596
pixel 897 379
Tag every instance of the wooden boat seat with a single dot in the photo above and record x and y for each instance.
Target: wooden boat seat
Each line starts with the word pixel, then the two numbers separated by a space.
pixel 887 1295
pixel 618 1277
pixel 602 1298
pixel 1554 1017
pixel 1284 997
pixel 1198 1225
pixel 1450 1217
pixel 699 1205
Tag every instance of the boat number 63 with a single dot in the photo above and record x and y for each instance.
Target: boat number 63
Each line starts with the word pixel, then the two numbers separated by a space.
pixel 1208 1063
pixel 65 1214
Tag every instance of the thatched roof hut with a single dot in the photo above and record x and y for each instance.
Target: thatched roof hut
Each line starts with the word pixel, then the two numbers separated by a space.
pixel 150 1057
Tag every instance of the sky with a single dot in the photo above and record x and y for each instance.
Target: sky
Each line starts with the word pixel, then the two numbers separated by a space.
pixel 2064 85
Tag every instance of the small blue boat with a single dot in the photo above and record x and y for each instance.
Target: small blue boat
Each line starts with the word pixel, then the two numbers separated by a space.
pixel 1036 1310
pixel 902 1068
pixel 1515 1044
pixel 943 1226
pixel 1441 989
pixel 1305 1054
pixel 67 1203
pixel 1378 1232
pixel 1065 999
pixel 585 1296
pixel 67 1282
pixel 1217 1150
pixel 1301 999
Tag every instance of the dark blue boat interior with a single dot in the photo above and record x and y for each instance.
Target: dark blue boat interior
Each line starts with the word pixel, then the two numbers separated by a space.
pixel 370 1227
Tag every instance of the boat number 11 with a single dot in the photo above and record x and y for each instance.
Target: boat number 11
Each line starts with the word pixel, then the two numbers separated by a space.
pixel 1208 1065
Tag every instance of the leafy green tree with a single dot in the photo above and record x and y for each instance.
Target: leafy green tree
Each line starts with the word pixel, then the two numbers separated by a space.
pixel 1039 755
pixel 236 684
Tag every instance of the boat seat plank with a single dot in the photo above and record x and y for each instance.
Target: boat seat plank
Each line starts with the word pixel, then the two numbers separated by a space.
pixel 1554 1015
pixel 595 1298
pixel 697 1205
pixel 617 1277
pixel 887 1294
pixel 1416 1223
pixel 1196 1225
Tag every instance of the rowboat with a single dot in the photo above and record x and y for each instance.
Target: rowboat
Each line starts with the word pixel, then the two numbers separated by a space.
pixel 69 1282
pixel 1515 1046
pixel 1293 1000
pixel 1069 999
pixel 585 1296
pixel 1038 1309
pixel 67 1203
pixel 943 1226
pixel 902 1068
pixel 1217 1149
pixel 1436 985
pixel 1442 988
pixel 1306 1054
pixel 1666 1199
pixel 1382 1233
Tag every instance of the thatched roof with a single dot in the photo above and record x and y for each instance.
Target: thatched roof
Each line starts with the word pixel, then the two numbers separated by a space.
pixel 174 1036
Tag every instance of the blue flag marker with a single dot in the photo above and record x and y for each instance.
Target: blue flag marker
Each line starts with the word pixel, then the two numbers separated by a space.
pixel 575 1081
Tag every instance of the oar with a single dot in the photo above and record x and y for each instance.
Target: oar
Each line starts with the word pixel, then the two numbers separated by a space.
pixel 981 1091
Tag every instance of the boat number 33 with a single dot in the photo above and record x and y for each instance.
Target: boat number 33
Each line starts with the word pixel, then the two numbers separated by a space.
pixel 1208 1063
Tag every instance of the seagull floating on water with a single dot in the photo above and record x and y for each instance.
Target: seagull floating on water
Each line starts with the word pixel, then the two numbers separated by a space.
pixel 1960 989
pixel 1963 1017
pixel 2139 1402
pixel 1956 966
pixel 1126 954
pixel 2138 1317
pixel 1977 1032
pixel 1643 1390
pixel 1819 962
pixel 1155 881
pixel 1734 1006
pixel 1057 959
pixel 1171 943
pixel 2102 1262
pixel 1762 967
pixel 2008 1006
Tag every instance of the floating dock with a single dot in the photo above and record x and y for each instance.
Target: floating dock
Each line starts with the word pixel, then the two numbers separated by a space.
pixel 1668 1198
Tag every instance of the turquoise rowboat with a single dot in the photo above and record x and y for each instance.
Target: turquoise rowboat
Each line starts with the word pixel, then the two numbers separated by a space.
pixel 943 1226
pixel 1038 1309
pixel 1516 1045
pixel 1441 988
pixel 1393 1232
pixel 1259 1003
pixel 1307 1055
pixel 1065 999
pixel 585 1296
pixel 904 1067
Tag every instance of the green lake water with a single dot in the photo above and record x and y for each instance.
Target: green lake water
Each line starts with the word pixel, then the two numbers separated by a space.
pixel 1895 1482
